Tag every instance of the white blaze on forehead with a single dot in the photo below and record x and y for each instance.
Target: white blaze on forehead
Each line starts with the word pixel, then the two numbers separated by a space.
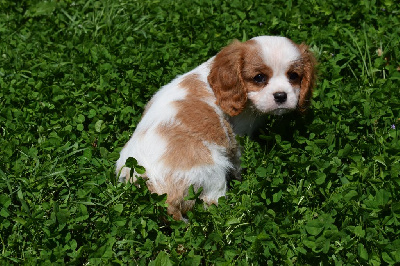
pixel 278 52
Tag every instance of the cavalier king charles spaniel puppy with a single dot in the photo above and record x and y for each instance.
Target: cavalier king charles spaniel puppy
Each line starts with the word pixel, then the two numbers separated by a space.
pixel 187 133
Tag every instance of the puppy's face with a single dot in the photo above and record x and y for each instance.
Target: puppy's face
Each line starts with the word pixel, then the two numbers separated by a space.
pixel 270 74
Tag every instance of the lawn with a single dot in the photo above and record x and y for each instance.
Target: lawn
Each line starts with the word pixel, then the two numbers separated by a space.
pixel 323 188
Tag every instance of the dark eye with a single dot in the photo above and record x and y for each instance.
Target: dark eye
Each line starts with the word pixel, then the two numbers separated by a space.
pixel 260 78
pixel 293 76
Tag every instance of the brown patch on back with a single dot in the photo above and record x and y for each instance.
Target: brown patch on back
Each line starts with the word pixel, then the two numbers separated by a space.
pixel 197 88
pixel 184 151
pixel 196 124
pixel 201 121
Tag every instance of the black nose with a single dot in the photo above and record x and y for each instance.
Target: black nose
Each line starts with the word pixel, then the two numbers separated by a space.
pixel 280 97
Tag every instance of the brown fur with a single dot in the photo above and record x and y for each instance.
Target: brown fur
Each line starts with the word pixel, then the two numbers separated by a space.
pixel 226 80
pixel 197 89
pixel 309 77
pixel 184 150
pixel 197 122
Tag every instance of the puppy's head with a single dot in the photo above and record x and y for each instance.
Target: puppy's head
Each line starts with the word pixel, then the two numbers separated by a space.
pixel 272 74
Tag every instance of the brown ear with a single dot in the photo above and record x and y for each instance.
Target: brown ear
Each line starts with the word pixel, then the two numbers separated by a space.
pixel 308 81
pixel 226 80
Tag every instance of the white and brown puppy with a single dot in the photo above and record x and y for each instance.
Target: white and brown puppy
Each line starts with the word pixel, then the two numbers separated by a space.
pixel 187 133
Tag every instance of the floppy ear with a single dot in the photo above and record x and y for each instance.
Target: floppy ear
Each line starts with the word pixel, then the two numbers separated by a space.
pixel 308 81
pixel 226 80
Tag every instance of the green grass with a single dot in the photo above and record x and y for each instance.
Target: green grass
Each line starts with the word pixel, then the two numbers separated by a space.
pixel 75 75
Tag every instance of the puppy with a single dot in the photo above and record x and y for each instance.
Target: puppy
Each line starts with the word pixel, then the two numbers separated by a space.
pixel 187 133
